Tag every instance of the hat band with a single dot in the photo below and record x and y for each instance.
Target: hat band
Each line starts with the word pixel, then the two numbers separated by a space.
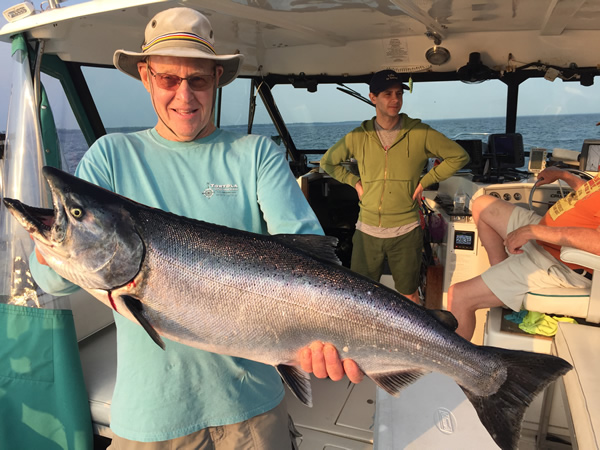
pixel 189 37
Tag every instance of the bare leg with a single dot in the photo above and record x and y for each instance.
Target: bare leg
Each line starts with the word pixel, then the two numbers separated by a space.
pixel 491 216
pixel 467 297
pixel 414 297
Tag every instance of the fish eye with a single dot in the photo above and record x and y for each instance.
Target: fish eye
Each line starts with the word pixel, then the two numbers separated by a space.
pixel 77 213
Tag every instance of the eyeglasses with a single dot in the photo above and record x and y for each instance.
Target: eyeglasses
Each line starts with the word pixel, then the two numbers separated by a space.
pixel 171 82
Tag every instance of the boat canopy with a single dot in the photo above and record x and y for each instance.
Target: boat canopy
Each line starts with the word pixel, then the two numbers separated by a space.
pixel 347 38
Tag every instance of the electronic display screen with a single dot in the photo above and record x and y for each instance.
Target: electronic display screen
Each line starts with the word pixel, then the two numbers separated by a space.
pixel 506 150
pixel 464 240
pixel 476 149
pixel 503 145
pixel 536 157
pixel 590 155
pixel 537 160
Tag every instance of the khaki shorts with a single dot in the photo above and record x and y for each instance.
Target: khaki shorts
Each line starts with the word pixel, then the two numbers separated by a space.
pixel 273 430
pixel 535 268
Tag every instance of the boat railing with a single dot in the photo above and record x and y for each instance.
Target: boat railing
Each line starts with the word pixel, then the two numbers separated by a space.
pixel 469 135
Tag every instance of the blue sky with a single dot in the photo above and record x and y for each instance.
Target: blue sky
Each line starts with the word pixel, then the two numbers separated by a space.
pixel 429 101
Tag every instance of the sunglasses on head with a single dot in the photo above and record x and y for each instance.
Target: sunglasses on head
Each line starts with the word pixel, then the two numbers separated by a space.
pixel 171 82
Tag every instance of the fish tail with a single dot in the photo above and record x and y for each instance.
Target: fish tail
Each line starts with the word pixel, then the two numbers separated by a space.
pixel 528 374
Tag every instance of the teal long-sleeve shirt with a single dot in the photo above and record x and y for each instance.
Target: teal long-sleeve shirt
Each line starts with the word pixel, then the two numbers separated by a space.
pixel 389 177
pixel 242 182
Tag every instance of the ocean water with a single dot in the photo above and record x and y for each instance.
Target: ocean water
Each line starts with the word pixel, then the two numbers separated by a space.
pixel 566 131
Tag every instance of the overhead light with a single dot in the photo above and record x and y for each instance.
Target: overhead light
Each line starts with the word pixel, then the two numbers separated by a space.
pixel 19 11
pixel 436 55
pixel 474 71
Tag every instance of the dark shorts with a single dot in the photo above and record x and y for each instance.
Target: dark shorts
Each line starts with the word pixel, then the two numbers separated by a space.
pixel 404 255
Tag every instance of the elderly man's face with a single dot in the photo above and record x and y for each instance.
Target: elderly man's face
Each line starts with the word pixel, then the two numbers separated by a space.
pixel 184 107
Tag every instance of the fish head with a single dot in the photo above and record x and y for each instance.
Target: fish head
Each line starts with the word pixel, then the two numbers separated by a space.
pixel 89 237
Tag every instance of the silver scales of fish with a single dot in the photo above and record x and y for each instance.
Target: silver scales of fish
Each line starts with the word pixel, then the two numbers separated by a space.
pixel 237 277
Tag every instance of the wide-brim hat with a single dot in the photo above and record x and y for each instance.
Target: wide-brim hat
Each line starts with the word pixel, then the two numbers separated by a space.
pixel 182 32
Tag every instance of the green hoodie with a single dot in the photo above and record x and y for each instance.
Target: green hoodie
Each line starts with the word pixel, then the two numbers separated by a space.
pixel 389 178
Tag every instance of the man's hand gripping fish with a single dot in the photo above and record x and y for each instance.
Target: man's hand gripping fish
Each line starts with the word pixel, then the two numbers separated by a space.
pixel 266 297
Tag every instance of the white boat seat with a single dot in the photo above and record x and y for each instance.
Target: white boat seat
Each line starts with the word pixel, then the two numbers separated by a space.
pixel 579 345
pixel 559 301
pixel 89 314
pixel 98 354
pixel 97 339
pixel 577 303
pixel 573 302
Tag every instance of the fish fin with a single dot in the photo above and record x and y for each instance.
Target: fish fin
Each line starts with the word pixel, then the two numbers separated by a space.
pixel 528 374
pixel 321 247
pixel 298 381
pixel 444 317
pixel 394 382
pixel 135 308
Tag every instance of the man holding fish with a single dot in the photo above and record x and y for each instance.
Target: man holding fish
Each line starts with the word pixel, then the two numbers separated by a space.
pixel 184 396
pixel 258 289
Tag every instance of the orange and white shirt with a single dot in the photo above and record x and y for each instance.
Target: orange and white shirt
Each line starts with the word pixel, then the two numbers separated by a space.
pixel 581 208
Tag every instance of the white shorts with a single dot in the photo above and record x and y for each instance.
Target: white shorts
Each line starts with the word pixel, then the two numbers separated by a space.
pixel 535 268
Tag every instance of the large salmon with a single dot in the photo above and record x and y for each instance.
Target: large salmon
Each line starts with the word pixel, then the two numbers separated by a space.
pixel 265 297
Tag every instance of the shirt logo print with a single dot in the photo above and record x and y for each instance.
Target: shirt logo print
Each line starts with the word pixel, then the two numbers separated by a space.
pixel 220 189
pixel 208 192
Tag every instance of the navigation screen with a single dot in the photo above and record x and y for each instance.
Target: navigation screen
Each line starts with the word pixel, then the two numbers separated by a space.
pixel 506 150
pixel 464 240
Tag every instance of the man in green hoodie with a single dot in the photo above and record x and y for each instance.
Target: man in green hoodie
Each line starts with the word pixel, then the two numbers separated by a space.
pixel 392 150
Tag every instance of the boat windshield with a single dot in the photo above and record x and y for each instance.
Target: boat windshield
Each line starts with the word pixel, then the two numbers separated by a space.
pixel 317 120
pixel 551 115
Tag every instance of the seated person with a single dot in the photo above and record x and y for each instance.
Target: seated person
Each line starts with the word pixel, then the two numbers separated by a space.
pixel 524 248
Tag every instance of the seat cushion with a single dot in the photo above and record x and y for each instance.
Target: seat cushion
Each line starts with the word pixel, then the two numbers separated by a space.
pixel 98 354
pixel 90 315
pixel 580 346
pixel 572 302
